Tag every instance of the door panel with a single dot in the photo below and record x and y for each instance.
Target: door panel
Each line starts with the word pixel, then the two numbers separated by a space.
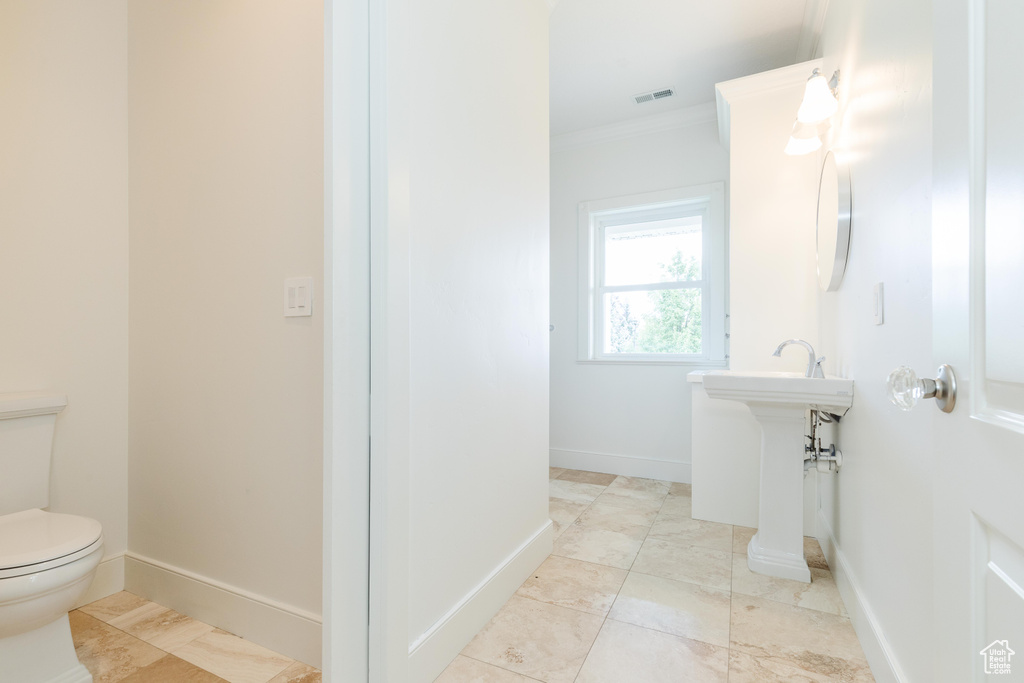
pixel 978 281
pixel 998 598
pixel 996 83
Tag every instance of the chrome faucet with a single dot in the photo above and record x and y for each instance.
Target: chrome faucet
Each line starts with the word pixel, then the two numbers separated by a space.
pixel 813 365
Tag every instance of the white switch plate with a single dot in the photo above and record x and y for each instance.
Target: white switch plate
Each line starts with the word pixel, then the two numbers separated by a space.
pixel 298 297
pixel 879 303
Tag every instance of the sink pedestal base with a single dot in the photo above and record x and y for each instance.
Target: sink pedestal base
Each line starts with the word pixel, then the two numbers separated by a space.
pixel 774 563
pixel 777 549
pixel 779 401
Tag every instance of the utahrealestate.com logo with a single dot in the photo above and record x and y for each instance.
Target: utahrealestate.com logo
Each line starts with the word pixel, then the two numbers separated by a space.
pixel 997 657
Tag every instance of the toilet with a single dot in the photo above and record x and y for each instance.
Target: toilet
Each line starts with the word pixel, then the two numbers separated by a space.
pixel 47 559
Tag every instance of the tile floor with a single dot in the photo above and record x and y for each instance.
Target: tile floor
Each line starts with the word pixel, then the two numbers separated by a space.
pixel 639 592
pixel 125 639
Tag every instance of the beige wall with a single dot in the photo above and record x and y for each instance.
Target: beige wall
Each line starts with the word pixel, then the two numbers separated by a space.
pixel 215 111
pixel 64 240
pixel 226 159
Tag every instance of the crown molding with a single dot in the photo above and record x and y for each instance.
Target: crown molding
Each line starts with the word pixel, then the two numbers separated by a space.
pixel 729 93
pixel 30 404
pixel 652 123
pixel 809 46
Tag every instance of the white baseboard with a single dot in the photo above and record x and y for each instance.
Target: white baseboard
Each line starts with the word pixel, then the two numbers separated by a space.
pixel 625 465
pixel 282 628
pixel 877 649
pixel 435 649
pixel 109 579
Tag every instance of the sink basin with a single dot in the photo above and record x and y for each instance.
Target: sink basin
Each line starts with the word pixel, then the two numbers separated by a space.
pixel 779 401
pixel 830 394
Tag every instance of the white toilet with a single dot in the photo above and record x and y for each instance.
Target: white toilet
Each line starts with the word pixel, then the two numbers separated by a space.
pixel 47 560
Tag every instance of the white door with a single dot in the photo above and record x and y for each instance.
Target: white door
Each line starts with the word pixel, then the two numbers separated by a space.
pixel 978 317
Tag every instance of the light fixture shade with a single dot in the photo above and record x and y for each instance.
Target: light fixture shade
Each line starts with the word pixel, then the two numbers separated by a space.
pixel 805 131
pixel 819 103
pixel 798 146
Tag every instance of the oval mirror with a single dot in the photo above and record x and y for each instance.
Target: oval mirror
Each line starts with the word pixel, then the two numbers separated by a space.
pixel 833 232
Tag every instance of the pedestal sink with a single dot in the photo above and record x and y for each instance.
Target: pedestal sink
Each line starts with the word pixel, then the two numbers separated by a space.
pixel 779 402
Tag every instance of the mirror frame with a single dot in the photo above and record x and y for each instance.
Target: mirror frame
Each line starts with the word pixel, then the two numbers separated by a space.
pixel 843 223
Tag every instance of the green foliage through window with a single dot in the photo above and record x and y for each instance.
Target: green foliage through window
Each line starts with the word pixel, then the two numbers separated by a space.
pixel 674 324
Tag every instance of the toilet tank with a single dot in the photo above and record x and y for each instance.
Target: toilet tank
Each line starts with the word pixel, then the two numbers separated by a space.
pixel 26 441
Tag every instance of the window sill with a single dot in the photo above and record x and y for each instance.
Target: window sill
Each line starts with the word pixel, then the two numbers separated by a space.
pixel 692 364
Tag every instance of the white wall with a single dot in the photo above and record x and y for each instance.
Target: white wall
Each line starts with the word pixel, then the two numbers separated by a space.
pixel 773 291
pixel 478 385
pixel 773 287
pixel 880 508
pixel 226 155
pixel 638 414
pixel 64 243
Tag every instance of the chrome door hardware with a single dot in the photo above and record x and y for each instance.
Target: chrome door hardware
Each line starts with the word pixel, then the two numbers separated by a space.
pixel 905 388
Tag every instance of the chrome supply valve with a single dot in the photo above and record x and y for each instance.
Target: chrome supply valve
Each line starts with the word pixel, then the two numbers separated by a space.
pixel 905 388
pixel 826 459
pixel 829 462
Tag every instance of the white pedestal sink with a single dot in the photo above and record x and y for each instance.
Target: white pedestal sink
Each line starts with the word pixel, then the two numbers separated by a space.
pixel 779 402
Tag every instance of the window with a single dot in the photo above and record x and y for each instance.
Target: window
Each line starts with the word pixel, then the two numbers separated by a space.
pixel 652 277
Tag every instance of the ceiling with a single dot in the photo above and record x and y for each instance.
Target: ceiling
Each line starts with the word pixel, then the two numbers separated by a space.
pixel 605 51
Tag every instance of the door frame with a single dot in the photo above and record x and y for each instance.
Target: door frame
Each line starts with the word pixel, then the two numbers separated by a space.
pixel 366 342
pixel 389 107
pixel 346 456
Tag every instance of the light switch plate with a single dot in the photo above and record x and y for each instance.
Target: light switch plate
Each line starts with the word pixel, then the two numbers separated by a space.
pixel 879 303
pixel 298 297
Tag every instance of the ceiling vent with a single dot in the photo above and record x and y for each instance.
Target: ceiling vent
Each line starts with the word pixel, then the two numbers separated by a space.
pixel 654 95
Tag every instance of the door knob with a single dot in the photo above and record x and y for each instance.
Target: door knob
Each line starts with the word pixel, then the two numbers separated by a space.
pixel 905 388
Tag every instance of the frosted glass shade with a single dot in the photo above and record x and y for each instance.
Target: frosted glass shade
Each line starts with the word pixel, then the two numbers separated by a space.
pixel 805 131
pixel 798 146
pixel 819 103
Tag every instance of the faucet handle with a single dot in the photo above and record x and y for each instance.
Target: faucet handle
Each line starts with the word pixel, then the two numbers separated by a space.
pixel 818 371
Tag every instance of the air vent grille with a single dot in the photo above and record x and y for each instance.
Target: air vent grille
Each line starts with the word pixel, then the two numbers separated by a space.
pixel 654 95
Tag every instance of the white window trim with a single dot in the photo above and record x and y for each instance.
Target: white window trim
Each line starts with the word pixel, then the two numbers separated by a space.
pixel 709 200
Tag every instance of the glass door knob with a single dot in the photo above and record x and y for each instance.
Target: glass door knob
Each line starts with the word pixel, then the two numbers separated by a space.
pixel 905 388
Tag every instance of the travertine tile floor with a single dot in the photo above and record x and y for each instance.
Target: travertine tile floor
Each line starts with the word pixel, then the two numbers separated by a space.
pixel 639 592
pixel 123 638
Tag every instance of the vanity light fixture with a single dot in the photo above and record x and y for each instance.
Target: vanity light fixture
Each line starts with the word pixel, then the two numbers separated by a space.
pixel 797 146
pixel 806 138
pixel 819 101
pixel 812 119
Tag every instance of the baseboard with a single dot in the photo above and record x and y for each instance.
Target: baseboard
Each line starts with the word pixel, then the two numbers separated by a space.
pixel 877 649
pixel 625 465
pixel 282 628
pixel 109 579
pixel 443 641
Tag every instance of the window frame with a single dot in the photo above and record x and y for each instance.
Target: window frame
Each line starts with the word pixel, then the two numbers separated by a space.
pixel 595 217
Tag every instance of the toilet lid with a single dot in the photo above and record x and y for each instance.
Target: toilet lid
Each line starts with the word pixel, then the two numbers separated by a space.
pixel 34 536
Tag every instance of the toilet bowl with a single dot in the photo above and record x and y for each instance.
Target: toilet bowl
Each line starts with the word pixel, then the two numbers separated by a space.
pixel 47 561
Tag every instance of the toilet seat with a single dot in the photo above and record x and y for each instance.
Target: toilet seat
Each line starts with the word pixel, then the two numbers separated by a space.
pixel 34 540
